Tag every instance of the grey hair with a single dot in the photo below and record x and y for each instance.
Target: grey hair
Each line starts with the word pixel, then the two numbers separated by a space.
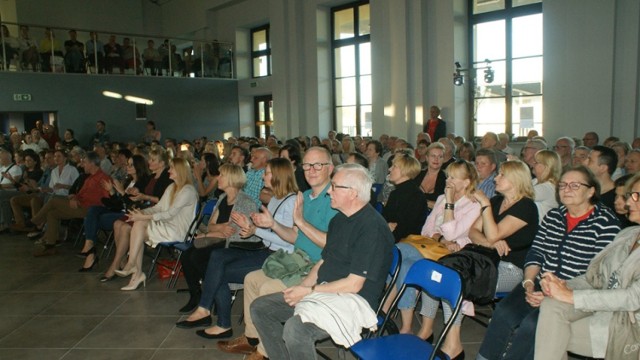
pixel 448 144
pixel 359 179
pixel 537 143
pixel 572 143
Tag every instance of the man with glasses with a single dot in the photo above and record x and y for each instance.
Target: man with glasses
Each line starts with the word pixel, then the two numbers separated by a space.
pixel 312 215
pixel 530 149
pixel 355 260
pixel 564 148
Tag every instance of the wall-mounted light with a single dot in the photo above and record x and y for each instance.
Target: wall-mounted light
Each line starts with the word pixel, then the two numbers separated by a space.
pixel 138 100
pixel 112 94
pixel 458 78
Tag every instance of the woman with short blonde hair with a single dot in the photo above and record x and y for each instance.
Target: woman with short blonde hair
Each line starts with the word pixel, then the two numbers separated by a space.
pixel 547 168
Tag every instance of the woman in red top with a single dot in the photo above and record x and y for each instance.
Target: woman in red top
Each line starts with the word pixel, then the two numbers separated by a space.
pixel 435 126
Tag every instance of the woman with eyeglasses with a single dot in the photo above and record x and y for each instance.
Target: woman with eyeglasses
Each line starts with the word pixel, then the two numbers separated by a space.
pixel 568 239
pixel 449 223
pixel 547 168
pixel 595 314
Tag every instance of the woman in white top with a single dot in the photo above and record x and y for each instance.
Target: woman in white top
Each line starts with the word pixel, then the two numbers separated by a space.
pixel 168 220
pixel 547 168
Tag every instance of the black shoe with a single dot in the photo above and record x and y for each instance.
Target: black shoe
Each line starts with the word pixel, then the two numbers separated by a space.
pixel 83 255
pixel 205 321
pixel 429 339
pixel 95 261
pixel 222 335
pixel 191 305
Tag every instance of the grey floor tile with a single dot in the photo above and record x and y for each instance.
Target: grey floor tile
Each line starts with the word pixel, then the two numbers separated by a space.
pixel 109 354
pixel 16 280
pixel 84 303
pixel 132 332
pixel 54 282
pixel 8 324
pixel 193 354
pixel 143 302
pixel 32 354
pixel 22 303
pixel 51 332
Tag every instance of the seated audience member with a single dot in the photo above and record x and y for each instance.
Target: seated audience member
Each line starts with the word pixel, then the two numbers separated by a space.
pixel 467 152
pixel 487 166
pixel 449 223
pixel 95 51
pixel 530 149
pixel 547 170
pixel 377 165
pixel 36 198
pixel 580 155
pixel 29 144
pixel 69 141
pixel 11 176
pixel 74 53
pixel 490 141
pixel 503 144
pixel 206 174
pixel 29 55
pixel 602 161
pixel 37 139
pixel 255 183
pixel 101 135
pixel 73 207
pixel 568 238
pixel 590 139
pixel 449 151
pixel 406 210
pixel 593 314
pixel 48 45
pixel 232 264
pixel 113 55
pixel 312 214
pixel 355 260
pixel 622 149
pixel 50 135
pixel 102 217
pixel 635 144
pixel 620 205
pixel 168 220
pixel 421 153
pixel 153 191
pixel 151 59
pixel 632 162
pixel 11 47
pixel 432 180
pixel 292 153
pixel 105 162
pixel 564 148
pixel 130 56
pixel 508 222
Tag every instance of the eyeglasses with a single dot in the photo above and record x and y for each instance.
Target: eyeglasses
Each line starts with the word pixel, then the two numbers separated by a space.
pixel 634 195
pixel 315 166
pixel 573 186
pixel 334 186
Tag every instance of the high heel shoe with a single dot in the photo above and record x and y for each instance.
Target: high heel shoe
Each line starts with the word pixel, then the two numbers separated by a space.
pixel 125 273
pixel 84 254
pixel 95 261
pixel 133 284
pixel 441 354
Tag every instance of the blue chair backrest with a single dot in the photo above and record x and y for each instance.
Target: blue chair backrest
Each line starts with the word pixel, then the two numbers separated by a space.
pixel 436 279
pixel 377 189
pixel 209 206
pixel 395 263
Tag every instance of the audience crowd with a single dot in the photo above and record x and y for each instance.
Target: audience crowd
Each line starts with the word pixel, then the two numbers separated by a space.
pixel 558 216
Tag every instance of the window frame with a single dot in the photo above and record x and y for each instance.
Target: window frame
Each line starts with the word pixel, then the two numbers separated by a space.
pixel 356 41
pixel 259 53
pixel 507 14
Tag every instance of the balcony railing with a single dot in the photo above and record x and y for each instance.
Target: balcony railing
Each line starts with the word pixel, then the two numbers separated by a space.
pixel 27 47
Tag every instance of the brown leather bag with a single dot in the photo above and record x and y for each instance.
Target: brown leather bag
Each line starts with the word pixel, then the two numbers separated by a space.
pixel 430 248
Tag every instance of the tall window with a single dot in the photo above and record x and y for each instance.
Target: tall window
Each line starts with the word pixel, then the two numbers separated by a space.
pixel 260 51
pixel 351 50
pixel 263 108
pixel 507 35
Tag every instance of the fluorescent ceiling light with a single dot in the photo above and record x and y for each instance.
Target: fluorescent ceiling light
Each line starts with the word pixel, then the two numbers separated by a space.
pixel 112 94
pixel 138 100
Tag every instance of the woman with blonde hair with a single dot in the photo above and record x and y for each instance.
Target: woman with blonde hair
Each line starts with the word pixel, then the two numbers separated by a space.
pixel 432 180
pixel 547 168
pixel 449 223
pixel 168 220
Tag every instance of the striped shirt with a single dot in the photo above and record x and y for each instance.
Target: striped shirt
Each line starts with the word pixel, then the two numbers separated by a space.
pixel 569 254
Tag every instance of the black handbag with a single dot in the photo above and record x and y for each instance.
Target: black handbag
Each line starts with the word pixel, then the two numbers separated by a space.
pixel 478 268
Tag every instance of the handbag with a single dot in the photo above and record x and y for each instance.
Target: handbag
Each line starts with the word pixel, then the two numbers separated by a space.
pixel 429 247
pixel 207 241
pixel 291 268
pixel 477 266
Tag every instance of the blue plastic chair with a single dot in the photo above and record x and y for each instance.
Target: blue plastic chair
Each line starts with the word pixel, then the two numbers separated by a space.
pixel 394 271
pixel 439 282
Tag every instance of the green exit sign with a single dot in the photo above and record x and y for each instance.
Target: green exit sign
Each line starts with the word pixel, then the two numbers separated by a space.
pixel 21 97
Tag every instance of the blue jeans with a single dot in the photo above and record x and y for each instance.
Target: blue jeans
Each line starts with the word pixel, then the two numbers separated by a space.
pixel 99 218
pixel 226 266
pixel 512 331
pixel 410 255
pixel 283 335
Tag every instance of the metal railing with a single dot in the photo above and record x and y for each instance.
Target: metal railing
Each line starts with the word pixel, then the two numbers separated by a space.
pixel 85 52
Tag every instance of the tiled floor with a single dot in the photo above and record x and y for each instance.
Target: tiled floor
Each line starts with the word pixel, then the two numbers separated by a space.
pixel 48 310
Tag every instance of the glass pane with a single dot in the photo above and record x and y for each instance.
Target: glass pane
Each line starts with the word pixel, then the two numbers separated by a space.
pixel 261 114
pixel 527 36
pixel 345 61
pixel 527 76
pixel 343 24
pixel 494 88
pixel 365 89
pixel 365 58
pixel 527 115
pixel 346 91
pixel 489 41
pixel 490 116
pixel 515 3
pixel 260 66
pixel 260 40
pixel 365 120
pixel 262 131
pixel 483 6
pixel 271 110
pixel 346 119
pixel 364 27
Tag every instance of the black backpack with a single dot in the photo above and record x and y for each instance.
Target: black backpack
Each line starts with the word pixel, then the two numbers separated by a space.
pixel 478 268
